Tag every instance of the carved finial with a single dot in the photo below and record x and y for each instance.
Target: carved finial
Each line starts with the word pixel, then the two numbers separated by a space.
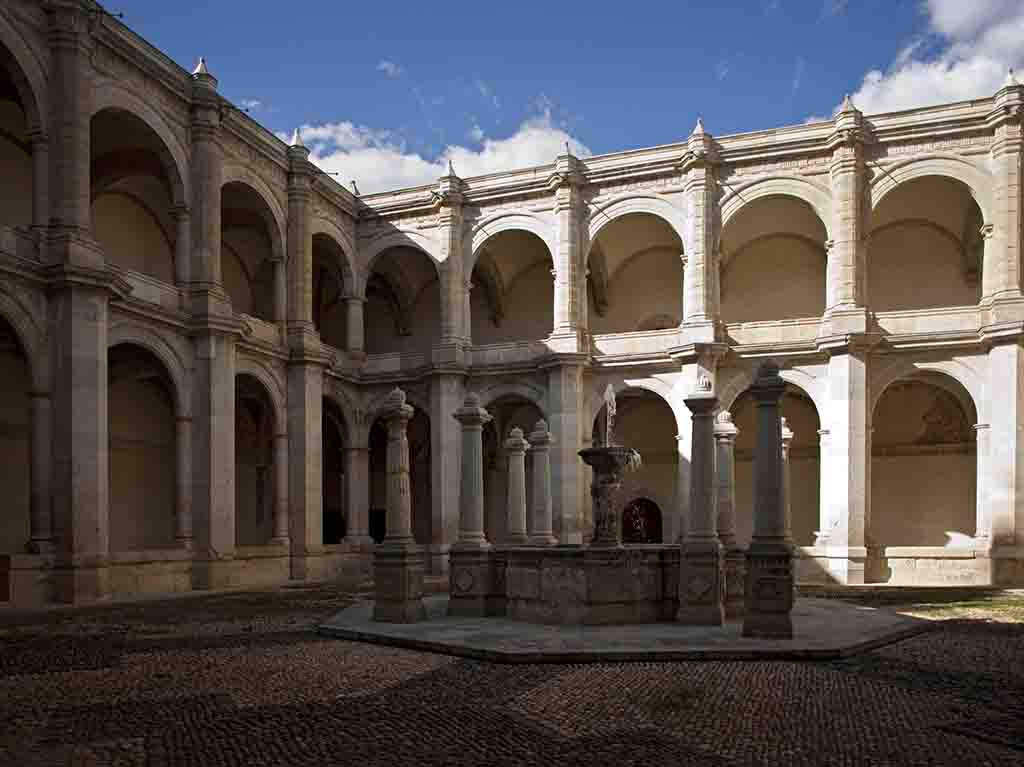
pixel 297 140
pixel 516 433
pixel 541 426
pixel 355 189
pixel 1011 78
pixel 451 169
pixel 472 400
pixel 847 105
pixel 724 417
pixel 201 67
pixel 699 128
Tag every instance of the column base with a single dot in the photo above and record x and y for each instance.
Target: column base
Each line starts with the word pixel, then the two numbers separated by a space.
pixel 437 558
pixel 78 582
pixel 471 580
pixel 702 584
pixel 735 580
pixel 398 579
pixel 769 591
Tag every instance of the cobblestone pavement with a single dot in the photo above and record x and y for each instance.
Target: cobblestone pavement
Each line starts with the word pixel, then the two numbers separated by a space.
pixel 243 679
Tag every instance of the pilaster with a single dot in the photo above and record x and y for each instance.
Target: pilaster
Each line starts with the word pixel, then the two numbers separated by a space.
pixel 454 318
pixel 700 275
pixel 565 401
pixel 300 238
pixel 570 294
pixel 1001 271
pixel 446 393
pixel 1006 465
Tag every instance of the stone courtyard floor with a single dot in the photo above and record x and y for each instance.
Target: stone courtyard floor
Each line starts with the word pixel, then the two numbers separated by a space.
pixel 244 679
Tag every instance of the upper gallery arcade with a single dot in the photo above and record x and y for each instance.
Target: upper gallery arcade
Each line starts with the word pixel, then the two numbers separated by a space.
pixel 198 328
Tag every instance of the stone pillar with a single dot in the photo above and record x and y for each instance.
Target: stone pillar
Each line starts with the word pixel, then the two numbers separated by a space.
pixel 446 393
pixel 769 587
pixel 566 402
pixel 280 291
pixel 281 489
pixel 845 464
pixel 845 273
pixel 1005 460
pixel 300 236
pixel 570 295
pixel 357 492
pixel 702 578
pixel 40 180
pixel 454 319
pixel 207 174
pixel 700 277
pixel 540 441
pixel 398 561
pixel 40 509
pixel 182 245
pixel 183 485
pixel 725 481
pixel 1001 271
pixel 354 332
pixel 786 440
pixel 516 447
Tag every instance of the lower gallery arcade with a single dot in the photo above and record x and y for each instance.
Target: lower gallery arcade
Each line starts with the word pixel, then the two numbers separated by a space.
pixel 198 333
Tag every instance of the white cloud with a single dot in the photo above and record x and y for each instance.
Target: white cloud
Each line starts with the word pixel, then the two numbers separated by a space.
pixel 390 68
pixel 963 54
pixel 379 160
pixel 798 73
pixel 251 105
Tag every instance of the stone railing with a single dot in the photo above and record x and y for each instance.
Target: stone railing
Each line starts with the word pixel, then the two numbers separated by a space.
pixel 953 320
pixel 506 353
pixel 393 362
pixel 150 289
pixel 635 343
pixel 797 331
pixel 263 331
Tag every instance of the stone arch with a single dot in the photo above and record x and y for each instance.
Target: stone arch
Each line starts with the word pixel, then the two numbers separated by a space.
pixel 108 95
pixel 532 394
pixel 604 213
pixel 32 337
pixel 345 408
pixel 328 228
pixel 410 238
pixel 810 192
pixel 504 221
pixel 959 371
pixel 236 174
pixel 977 180
pixel 271 383
pixel 375 407
pixel 743 378
pixel 33 94
pixel 594 400
pixel 128 332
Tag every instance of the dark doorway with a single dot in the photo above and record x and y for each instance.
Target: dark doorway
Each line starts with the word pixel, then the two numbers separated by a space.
pixel 641 522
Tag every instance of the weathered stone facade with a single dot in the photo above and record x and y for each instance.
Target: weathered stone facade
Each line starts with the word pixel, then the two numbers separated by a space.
pixel 199 331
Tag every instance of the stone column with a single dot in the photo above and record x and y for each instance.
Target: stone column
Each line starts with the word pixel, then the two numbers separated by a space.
pixel 702 578
pixel 540 441
pixel 570 288
pixel 280 291
pixel 40 180
pixel 183 485
pixel 280 489
pixel 357 492
pixel 1001 271
pixel 845 465
pixel 182 245
pixel 516 446
pixel 354 332
pixel 398 561
pixel 1005 459
pixel 769 587
pixel 207 174
pixel 725 475
pixel 700 278
pixel 40 511
pixel 471 577
pixel 786 440
pixel 300 237
pixel 845 273
pixel 454 322
pixel 566 403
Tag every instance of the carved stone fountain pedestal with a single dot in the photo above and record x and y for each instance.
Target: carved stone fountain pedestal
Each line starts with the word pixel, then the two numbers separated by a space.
pixel 609 464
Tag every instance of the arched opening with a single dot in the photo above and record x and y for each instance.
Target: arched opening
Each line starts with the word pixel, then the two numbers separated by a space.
pixel 418 431
pixel 512 294
pixel 926 247
pixel 134 191
pixel 403 303
pixel 15 447
pixel 635 276
pixel 335 440
pixel 641 522
pixel 646 423
pixel 16 180
pixel 249 243
pixel 507 413
pixel 143 462
pixel 804 464
pixel 254 463
pixel 923 464
pixel 773 262
pixel 329 289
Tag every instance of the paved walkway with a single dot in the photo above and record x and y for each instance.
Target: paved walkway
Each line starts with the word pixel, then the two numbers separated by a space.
pixel 245 680
pixel 824 629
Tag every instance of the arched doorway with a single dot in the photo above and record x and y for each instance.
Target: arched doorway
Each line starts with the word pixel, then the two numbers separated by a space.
pixel 635 276
pixel 254 463
pixel 143 465
pixel 641 522
pixel 923 465
pixel 335 523
pixel 15 441
pixel 512 295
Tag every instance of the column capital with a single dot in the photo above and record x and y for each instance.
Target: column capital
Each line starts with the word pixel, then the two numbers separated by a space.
pixel 725 429
pixel 395 407
pixel 516 444
pixel 701 403
pixel 540 437
pixel 471 414
pixel 768 386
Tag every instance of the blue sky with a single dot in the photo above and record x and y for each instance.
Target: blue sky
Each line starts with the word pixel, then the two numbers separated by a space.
pixel 387 92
